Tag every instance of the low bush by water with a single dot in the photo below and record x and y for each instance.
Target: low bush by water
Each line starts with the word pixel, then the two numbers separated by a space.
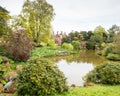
pixel 105 74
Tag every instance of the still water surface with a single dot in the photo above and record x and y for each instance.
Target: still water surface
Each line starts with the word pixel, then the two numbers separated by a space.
pixel 76 66
pixel 74 71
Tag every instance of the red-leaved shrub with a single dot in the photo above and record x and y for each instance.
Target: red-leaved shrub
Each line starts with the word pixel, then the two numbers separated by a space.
pixel 18 45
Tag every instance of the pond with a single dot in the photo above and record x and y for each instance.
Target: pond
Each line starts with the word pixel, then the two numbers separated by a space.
pixel 74 71
pixel 76 66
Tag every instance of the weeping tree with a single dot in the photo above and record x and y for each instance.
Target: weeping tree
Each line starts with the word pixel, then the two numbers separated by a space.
pixel 36 17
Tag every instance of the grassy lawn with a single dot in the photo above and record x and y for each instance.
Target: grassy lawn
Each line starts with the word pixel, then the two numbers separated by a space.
pixel 47 51
pixel 97 90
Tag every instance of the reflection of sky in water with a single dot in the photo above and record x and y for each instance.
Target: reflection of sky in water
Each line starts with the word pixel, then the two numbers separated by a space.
pixel 74 71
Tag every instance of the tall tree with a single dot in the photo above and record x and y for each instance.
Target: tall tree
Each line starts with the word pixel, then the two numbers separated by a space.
pixel 89 33
pixel 4 17
pixel 85 35
pixel 36 17
pixel 112 32
pixel 99 30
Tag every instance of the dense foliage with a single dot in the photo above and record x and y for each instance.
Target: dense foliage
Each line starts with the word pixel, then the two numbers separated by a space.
pixel 112 50
pixel 112 32
pixel 67 46
pixel 48 52
pixel 114 57
pixel 76 45
pixel 40 78
pixel 52 44
pixel 36 17
pixel 5 67
pixel 18 45
pixel 105 74
pixel 116 48
pixel 4 17
pixel 96 39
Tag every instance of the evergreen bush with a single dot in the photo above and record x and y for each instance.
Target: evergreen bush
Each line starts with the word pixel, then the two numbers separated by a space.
pixel 105 74
pixel 67 46
pixel 52 44
pixel 114 57
pixel 40 78
pixel 90 45
pixel 76 45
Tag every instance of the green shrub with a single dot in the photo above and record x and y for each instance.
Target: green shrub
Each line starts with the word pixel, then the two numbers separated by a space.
pixel 115 57
pixel 76 45
pixel 90 45
pixel 104 52
pixel 68 39
pixel 2 50
pixel 5 58
pixel 52 43
pixel 39 44
pixel 18 45
pixel 105 74
pixel 43 44
pixel 103 45
pixel 107 50
pixel 40 78
pixel 67 46
pixel 3 71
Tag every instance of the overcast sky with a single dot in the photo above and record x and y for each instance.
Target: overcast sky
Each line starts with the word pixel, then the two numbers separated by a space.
pixel 76 15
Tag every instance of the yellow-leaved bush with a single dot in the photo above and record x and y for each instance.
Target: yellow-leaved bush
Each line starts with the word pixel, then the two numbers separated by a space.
pixel 40 77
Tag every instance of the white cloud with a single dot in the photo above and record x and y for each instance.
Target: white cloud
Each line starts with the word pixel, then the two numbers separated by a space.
pixel 77 14
pixel 13 6
pixel 85 14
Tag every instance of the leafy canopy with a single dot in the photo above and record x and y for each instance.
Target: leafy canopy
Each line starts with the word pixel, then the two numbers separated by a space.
pixel 36 17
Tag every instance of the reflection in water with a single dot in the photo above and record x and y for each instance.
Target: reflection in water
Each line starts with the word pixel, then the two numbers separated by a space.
pixel 85 56
pixel 78 65
pixel 74 71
